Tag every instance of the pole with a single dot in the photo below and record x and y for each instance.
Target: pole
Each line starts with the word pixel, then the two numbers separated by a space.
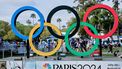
pixel 22 64
pixel 28 49
pixel 35 65
pixel 11 53
pixel 3 53
pixel 100 47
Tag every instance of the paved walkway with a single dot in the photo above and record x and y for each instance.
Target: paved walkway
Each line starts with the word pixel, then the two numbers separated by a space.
pixel 67 58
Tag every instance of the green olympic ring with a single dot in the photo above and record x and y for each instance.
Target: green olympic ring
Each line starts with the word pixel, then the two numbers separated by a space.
pixel 74 52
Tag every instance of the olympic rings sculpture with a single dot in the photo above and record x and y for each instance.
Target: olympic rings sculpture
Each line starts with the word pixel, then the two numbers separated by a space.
pixel 74 26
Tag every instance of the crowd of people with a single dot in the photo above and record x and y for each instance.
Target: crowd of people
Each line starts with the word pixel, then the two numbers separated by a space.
pixel 13 47
pixel 78 44
pixel 110 45
pixel 81 45
pixel 46 45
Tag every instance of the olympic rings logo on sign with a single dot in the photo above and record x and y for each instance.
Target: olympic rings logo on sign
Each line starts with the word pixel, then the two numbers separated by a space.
pixel 74 27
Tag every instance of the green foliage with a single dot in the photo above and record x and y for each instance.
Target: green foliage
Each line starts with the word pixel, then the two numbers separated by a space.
pixel 24 29
pixel 7 34
pixel 101 19
pixel 44 34
pixel 4 28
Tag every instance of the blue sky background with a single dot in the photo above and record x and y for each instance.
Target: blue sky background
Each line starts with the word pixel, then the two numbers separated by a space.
pixel 8 7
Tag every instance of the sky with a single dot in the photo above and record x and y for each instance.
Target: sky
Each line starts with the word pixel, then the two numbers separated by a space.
pixel 8 7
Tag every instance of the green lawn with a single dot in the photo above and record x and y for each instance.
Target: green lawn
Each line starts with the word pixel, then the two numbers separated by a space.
pixel 114 49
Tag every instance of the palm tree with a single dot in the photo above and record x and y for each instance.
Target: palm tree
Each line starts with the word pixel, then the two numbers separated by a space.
pixel 59 21
pixel 28 22
pixel 33 16
pixel 116 8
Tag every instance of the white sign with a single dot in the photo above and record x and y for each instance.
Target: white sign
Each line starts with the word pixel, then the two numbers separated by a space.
pixel 70 64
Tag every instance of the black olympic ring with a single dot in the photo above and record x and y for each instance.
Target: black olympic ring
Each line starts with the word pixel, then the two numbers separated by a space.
pixel 66 8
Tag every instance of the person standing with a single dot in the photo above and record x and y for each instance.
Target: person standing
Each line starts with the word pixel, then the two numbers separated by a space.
pixel 84 45
pixel 110 48
pixel 49 45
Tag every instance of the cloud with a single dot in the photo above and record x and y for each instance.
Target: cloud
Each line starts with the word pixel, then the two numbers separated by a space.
pixel 8 7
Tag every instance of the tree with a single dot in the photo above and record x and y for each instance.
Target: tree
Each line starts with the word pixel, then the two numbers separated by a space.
pixel 6 31
pixel 100 18
pixel 4 28
pixel 28 22
pixel 81 8
pixel 33 16
pixel 116 7
pixel 59 20
pixel 10 36
pixel 44 34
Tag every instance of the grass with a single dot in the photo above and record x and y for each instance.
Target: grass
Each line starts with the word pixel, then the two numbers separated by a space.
pixel 114 49
pixel 109 55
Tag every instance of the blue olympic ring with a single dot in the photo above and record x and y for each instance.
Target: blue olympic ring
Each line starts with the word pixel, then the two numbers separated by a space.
pixel 15 15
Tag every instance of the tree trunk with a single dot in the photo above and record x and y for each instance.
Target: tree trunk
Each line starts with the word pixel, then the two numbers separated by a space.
pixel 33 21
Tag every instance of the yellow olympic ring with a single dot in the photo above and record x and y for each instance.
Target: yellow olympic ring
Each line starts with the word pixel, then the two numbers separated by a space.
pixel 40 52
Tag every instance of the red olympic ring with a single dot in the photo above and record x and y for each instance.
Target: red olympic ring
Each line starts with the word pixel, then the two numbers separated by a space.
pixel 98 6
